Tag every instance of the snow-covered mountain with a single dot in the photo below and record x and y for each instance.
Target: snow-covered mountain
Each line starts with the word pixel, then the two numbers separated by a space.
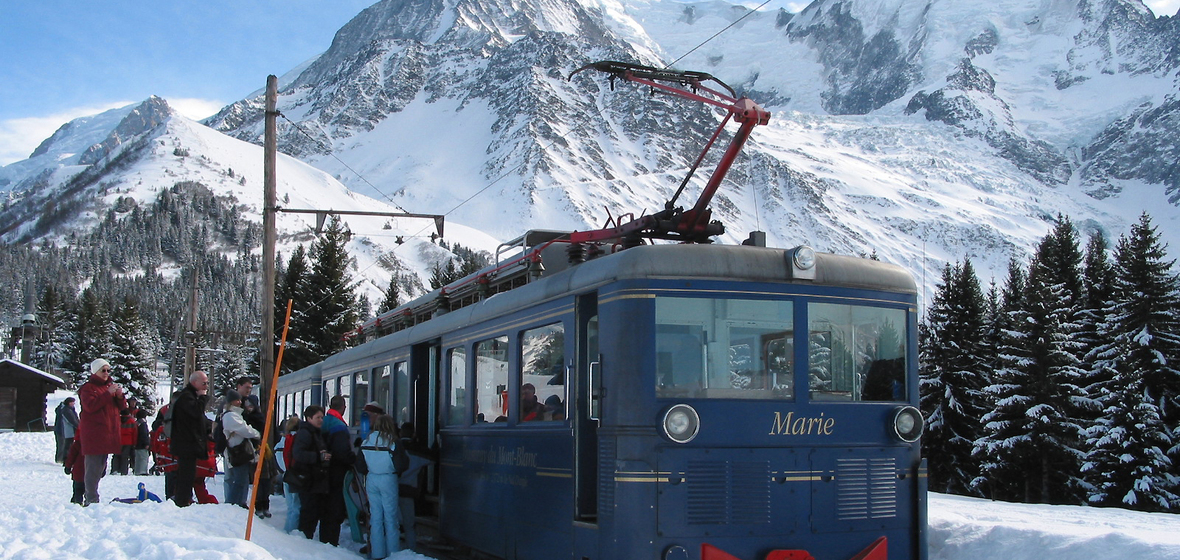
pixel 92 164
pixel 924 131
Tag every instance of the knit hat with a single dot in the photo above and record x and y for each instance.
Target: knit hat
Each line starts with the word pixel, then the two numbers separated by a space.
pixel 97 365
pixel 232 395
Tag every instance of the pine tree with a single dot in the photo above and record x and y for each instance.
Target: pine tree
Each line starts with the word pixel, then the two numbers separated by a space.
pixel 954 373
pixel 228 366
pixel 1058 401
pixel 89 337
pixel 49 351
pixel 392 297
pixel 1128 464
pixel 1134 444
pixel 442 274
pixel 296 355
pixel 1031 448
pixel 1098 287
pixel 332 303
pixel 133 355
pixel 1146 316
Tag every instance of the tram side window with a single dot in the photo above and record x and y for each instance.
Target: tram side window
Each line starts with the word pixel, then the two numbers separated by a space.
pixel 401 373
pixel 542 367
pixel 381 383
pixel 724 348
pixel 491 380
pixel 331 389
pixel 856 353
pixel 360 396
pixel 457 401
pixel 346 392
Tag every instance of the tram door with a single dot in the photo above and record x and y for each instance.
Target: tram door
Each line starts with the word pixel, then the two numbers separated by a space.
pixel 587 372
pixel 424 364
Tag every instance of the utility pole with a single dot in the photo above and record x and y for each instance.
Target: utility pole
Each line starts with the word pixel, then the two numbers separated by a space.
pixel 266 346
pixel 190 355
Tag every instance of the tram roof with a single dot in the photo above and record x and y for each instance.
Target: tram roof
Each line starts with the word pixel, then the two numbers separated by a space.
pixel 670 261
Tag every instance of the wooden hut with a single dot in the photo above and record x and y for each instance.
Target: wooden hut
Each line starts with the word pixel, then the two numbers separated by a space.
pixel 22 396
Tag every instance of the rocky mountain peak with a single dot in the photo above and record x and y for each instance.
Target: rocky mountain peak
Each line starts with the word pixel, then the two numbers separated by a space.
pixel 147 116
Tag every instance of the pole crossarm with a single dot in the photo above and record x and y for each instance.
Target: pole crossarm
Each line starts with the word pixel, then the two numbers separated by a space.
pixel 438 218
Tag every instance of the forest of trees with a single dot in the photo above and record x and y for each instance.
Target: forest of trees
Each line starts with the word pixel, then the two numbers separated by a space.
pixel 1062 385
pixel 104 295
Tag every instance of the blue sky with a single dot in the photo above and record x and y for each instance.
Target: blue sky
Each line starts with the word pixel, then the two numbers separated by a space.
pixel 62 59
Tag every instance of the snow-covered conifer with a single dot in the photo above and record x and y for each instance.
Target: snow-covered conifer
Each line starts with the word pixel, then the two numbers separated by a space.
pixel 953 375
pixel 133 354
pixel 1134 449
pixel 1033 437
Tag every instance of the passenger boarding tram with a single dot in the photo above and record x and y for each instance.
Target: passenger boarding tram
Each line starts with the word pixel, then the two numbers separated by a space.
pixel 619 401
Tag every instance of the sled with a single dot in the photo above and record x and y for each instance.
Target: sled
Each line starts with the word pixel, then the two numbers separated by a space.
pixel 356 501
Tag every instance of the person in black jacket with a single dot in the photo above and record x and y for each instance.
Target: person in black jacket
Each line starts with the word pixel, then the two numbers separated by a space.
pixel 339 441
pixel 308 473
pixel 65 424
pixel 190 435
pixel 143 440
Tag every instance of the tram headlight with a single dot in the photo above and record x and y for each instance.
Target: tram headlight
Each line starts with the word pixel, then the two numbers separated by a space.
pixel 801 263
pixel 908 424
pixel 681 423
pixel 804 257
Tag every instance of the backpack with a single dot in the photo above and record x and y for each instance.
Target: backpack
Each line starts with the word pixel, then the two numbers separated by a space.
pixel 219 441
pixel 401 459
pixel 166 423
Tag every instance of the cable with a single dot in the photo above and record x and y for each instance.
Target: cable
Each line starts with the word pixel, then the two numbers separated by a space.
pixel 735 22
pixel 328 149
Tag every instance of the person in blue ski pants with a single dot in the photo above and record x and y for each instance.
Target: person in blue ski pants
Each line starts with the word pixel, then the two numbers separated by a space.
pixel 381 486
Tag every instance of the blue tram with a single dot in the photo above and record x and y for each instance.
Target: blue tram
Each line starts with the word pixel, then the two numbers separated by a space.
pixel 666 401
pixel 596 397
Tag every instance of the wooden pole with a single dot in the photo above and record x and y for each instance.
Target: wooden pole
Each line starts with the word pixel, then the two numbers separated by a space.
pixel 266 345
pixel 270 413
pixel 190 351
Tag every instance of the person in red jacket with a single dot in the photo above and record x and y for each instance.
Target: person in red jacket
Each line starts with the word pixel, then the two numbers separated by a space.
pixel 128 436
pixel 75 465
pixel 102 400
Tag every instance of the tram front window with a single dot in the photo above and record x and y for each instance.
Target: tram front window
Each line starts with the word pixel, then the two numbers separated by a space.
pixel 856 353
pixel 724 348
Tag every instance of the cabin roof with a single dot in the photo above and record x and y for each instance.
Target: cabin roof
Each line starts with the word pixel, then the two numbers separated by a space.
pixel 10 363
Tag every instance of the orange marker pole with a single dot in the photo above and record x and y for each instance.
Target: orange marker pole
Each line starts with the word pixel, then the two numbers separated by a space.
pixel 270 414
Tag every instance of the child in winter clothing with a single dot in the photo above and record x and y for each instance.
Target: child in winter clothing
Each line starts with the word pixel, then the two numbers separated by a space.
pixel 75 466
pixel 143 440
pixel 128 433
pixel 291 496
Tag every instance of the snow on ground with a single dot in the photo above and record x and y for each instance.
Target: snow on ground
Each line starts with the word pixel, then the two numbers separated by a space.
pixel 38 522
pixel 974 529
